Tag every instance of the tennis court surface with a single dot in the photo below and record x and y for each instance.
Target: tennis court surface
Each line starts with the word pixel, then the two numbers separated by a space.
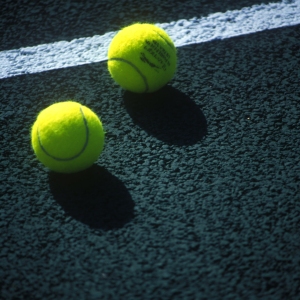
pixel 196 194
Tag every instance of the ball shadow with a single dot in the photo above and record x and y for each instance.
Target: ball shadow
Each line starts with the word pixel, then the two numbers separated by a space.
pixel 94 197
pixel 168 114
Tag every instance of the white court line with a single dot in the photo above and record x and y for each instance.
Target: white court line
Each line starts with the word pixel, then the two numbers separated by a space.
pixel 81 51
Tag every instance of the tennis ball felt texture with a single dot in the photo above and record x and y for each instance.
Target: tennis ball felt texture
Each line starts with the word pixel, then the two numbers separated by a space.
pixel 67 137
pixel 142 58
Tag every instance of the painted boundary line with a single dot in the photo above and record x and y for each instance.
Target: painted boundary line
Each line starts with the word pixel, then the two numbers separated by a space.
pixel 81 51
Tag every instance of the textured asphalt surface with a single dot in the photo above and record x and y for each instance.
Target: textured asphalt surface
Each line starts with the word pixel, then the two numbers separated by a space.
pixel 196 194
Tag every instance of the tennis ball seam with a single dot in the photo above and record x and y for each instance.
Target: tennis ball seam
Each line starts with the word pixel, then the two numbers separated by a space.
pixel 157 52
pixel 74 156
pixel 135 68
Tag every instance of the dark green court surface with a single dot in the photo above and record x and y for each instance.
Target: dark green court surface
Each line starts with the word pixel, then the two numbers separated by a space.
pixel 196 194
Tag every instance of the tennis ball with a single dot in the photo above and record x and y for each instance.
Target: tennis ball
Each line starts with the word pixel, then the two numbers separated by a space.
pixel 142 58
pixel 67 137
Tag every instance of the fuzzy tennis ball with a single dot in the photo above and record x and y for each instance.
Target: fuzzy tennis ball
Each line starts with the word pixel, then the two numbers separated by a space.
pixel 67 137
pixel 142 58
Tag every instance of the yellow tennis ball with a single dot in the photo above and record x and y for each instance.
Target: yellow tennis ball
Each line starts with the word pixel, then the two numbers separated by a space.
pixel 142 58
pixel 67 137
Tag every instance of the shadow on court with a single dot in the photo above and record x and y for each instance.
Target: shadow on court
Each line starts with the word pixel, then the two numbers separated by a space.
pixel 168 114
pixel 94 197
